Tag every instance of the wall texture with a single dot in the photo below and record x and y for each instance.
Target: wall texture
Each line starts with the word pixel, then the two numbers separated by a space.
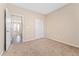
pixel 29 20
pixel 63 25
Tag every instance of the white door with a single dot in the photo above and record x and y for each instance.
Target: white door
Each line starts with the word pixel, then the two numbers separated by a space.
pixel 39 28
pixel 8 29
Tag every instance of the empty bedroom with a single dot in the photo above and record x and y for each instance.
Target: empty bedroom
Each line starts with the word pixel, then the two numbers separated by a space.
pixel 39 29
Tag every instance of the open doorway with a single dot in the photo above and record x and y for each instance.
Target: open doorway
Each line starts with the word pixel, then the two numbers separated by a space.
pixel 13 29
pixel 16 29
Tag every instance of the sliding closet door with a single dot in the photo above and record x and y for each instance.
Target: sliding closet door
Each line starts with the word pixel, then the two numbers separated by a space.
pixel 8 29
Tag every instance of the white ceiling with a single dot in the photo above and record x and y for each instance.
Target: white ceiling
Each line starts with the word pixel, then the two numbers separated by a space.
pixel 43 8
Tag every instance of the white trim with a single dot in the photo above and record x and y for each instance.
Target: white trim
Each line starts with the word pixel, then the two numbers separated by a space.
pixel 33 39
pixel 70 44
pixel 29 40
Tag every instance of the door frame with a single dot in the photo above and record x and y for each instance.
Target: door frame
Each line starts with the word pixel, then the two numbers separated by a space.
pixel 5 14
pixel 5 30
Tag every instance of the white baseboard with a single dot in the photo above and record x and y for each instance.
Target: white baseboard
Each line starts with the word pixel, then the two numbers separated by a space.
pixel 70 44
pixel 29 40
pixel 1 53
pixel 32 39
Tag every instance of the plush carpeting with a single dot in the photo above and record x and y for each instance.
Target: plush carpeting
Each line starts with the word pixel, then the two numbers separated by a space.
pixel 41 47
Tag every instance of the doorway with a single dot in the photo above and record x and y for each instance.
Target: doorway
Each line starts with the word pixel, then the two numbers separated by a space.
pixel 13 29
pixel 16 29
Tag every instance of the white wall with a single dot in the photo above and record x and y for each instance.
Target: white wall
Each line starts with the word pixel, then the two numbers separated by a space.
pixel 1 28
pixel 63 25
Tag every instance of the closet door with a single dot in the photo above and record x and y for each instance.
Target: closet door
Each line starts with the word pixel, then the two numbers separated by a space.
pixel 7 29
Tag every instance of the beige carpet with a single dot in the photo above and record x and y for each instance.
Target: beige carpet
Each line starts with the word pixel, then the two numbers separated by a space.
pixel 41 47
